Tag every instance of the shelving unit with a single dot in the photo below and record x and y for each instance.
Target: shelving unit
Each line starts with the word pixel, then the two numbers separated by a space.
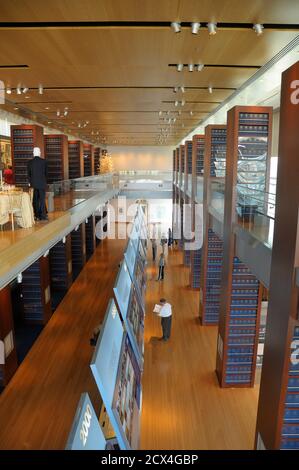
pixel 90 236
pixel 88 156
pixel 7 336
pixel 97 161
pixel 76 164
pixel 212 249
pixel 36 294
pixel 78 249
pixel 23 139
pixel 187 199
pixel 61 265
pixel 198 146
pixel 249 132
pixel 212 267
pixel 56 154
pixel 181 193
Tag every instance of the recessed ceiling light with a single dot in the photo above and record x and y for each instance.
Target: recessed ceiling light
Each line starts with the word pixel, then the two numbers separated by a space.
pixel 40 89
pixel 195 28
pixel 180 67
pixel 212 28
pixel 8 90
pixel 16 108
pixel 47 107
pixel 176 26
pixel 27 97
pixel 49 122
pixel 258 28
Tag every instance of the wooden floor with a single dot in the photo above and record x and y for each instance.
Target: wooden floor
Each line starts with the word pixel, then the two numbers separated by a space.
pixel 183 406
pixel 38 406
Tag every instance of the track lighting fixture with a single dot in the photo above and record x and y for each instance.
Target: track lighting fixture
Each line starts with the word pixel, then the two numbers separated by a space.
pixel 183 102
pixel 40 89
pixel 160 113
pixel 176 103
pixel 58 112
pixel 195 28
pixel 199 67
pixel 180 67
pixel 176 26
pixel 258 28
pixel 8 90
pixel 25 89
pixel 190 67
pixel 65 112
pixel 19 278
pixel 191 113
pixel 19 91
pixel 168 112
pixel 173 120
pixel 182 89
pixel 175 89
pixel 210 90
pixel 212 28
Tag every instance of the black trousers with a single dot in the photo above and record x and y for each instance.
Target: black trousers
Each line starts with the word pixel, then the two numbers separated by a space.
pixel 161 273
pixel 154 253
pixel 166 326
pixel 39 203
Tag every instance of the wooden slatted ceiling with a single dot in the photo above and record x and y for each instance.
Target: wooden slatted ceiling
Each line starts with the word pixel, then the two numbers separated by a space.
pixel 117 78
pixel 271 11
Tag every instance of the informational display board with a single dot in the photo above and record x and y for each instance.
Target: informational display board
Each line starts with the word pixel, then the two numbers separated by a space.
pixel 122 289
pixel 118 377
pixel 134 323
pixel 86 432
pixel 131 256
pixel 128 397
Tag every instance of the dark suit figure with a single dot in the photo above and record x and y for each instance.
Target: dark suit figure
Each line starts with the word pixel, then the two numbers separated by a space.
pixel 37 175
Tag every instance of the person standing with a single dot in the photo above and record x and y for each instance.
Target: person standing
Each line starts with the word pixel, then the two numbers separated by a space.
pixel 37 176
pixel 154 248
pixel 166 318
pixel 8 175
pixel 163 243
pixel 170 240
pixel 161 267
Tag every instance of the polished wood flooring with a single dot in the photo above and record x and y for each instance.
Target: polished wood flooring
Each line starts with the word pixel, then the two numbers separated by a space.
pixel 38 406
pixel 183 406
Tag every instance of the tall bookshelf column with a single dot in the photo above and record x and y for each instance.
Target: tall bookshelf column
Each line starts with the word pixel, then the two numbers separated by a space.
pixel 61 267
pixel 181 193
pixel 88 151
pixel 76 163
pixel 248 139
pixel 97 161
pixel 23 139
pixel 56 154
pixel 187 199
pixel 198 143
pixel 90 235
pixel 36 292
pixel 7 338
pixel 278 410
pixel 78 249
pixel 212 249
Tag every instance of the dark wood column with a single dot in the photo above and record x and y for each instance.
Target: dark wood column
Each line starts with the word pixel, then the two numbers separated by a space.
pixel 78 249
pixel 241 292
pixel 36 292
pixel 181 194
pixel 7 338
pixel 90 236
pixel 278 411
pixel 187 199
pixel 60 269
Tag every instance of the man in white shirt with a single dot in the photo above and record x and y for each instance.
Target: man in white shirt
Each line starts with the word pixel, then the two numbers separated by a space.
pixel 166 316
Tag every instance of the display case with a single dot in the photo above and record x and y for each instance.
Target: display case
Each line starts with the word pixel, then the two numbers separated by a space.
pixel 23 139
pixel 76 163
pixel 56 154
pixel 88 158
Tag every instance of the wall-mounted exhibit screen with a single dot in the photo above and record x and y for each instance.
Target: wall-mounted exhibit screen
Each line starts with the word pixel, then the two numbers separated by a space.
pixel 86 432
pixel 127 399
pixel 130 257
pixel 135 325
pixel 140 274
pixel 122 289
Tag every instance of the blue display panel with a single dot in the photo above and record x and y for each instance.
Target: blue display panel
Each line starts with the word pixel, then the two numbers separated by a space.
pixel 122 289
pixel 128 397
pixel 134 322
pixel 86 432
pixel 131 256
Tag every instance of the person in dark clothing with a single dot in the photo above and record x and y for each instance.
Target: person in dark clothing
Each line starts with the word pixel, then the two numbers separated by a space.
pixel 37 176
pixel 8 175
pixel 154 248
pixel 161 267
pixel 170 239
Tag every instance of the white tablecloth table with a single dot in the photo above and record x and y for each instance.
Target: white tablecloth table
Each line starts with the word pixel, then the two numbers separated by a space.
pixel 19 204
